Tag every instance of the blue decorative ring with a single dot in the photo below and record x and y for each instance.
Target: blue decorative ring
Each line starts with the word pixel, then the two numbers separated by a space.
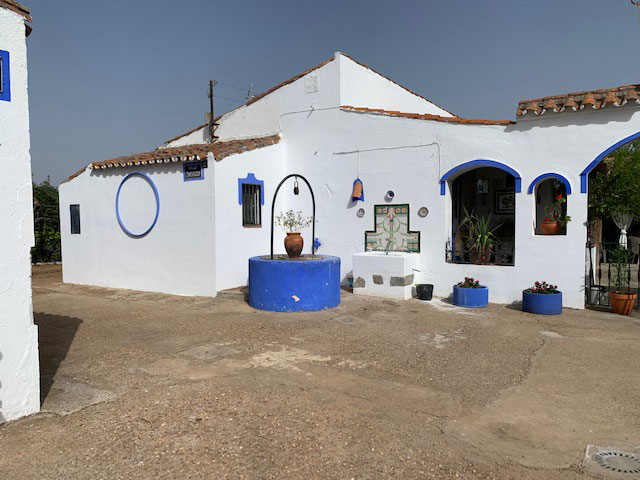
pixel 155 192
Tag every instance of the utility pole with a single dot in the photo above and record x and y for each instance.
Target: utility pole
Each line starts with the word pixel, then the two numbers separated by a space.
pixel 212 124
pixel 248 97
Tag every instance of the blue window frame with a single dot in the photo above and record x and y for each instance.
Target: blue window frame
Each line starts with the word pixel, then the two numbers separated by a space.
pixel 5 78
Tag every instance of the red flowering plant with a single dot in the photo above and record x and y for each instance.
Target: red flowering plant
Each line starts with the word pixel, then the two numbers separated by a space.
pixel 469 282
pixel 557 211
pixel 543 288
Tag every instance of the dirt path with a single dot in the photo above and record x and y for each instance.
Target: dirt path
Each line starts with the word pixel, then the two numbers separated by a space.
pixel 141 385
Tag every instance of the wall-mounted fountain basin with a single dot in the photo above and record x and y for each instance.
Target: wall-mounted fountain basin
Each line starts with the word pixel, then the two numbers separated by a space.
pixel 383 274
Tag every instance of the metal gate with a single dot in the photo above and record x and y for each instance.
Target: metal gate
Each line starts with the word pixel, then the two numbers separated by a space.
pixel 602 271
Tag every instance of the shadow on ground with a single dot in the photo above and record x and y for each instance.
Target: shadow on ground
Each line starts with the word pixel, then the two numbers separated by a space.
pixel 55 336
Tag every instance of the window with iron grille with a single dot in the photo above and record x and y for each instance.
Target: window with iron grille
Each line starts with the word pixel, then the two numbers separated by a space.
pixel 251 205
pixel 75 219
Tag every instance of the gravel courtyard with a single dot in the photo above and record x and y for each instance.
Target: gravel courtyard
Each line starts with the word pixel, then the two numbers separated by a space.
pixel 141 385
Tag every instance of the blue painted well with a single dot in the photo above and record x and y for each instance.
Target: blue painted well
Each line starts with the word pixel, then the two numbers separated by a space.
pixel 303 285
pixel 471 297
pixel 542 303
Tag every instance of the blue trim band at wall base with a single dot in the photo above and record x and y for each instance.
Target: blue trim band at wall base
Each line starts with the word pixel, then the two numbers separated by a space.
pixel 544 176
pixel 479 164
pixel 542 303
pixel 584 176
pixel 470 297
pixel 294 285
pixel 155 193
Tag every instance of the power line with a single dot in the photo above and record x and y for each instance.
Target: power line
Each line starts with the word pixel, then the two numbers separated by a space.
pixel 232 99
pixel 232 86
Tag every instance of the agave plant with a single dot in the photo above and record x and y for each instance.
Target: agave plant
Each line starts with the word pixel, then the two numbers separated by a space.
pixel 480 237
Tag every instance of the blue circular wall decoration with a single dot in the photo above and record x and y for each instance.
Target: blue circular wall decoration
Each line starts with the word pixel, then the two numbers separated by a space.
pixel 155 193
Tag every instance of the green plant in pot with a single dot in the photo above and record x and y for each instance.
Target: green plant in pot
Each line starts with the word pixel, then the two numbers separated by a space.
pixel 480 237
pixel 292 223
pixel 622 299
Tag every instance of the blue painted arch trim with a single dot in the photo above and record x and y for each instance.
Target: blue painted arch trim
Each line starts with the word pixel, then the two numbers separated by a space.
pixel 584 176
pixel 155 193
pixel 544 176
pixel 454 172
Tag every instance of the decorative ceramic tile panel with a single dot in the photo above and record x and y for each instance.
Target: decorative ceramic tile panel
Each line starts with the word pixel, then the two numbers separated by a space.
pixel 392 230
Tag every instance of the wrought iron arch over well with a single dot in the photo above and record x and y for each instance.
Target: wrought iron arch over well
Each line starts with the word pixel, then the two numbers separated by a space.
pixel 295 192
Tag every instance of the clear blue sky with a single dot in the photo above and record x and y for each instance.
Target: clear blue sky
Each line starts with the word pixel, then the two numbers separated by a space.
pixel 113 78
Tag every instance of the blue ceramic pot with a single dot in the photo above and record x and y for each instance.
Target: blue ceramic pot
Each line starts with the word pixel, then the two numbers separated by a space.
pixel 470 297
pixel 542 303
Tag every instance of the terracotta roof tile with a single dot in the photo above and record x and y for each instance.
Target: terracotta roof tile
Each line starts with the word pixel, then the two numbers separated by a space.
pixel 426 116
pixel 611 98
pixel 594 99
pixel 186 153
pixel 74 175
pixel 17 8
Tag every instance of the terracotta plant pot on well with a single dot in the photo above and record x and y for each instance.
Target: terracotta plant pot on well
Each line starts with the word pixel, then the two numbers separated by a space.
pixel 293 244
pixel 549 227
pixel 622 303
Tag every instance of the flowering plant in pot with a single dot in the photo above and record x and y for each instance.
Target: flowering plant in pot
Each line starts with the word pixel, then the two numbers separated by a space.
pixel 469 293
pixel 542 298
pixel 292 223
pixel 557 217
pixel 622 300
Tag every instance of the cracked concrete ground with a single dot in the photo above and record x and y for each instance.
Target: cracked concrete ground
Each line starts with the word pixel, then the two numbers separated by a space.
pixel 141 385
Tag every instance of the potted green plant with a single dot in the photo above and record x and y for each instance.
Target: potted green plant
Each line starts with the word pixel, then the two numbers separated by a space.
pixel 622 299
pixel 292 223
pixel 556 218
pixel 543 298
pixel 480 237
pixel 470 294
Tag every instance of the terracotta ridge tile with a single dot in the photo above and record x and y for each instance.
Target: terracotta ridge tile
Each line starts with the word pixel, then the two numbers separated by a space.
pixel 427 116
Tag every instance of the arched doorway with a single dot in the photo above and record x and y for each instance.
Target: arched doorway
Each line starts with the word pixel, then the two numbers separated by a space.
pixel 612 182
pixel 482 213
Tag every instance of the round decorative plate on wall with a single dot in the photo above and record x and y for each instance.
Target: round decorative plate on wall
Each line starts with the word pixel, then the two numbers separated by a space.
pixel 360 212
pixel 423 212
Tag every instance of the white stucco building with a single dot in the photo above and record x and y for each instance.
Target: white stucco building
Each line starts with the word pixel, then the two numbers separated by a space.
pixel 332 124
pixel 19 372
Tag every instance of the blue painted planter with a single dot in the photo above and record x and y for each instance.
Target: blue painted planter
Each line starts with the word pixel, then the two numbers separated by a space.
pixel 542 303
pixel 471 297
pixel 303 285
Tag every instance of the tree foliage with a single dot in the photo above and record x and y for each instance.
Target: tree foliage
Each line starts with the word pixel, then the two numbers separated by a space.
pixel 46 223
pixel 617 188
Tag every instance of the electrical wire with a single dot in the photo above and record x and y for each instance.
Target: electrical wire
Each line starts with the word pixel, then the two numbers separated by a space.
pixel 231 86
pixel 231 99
